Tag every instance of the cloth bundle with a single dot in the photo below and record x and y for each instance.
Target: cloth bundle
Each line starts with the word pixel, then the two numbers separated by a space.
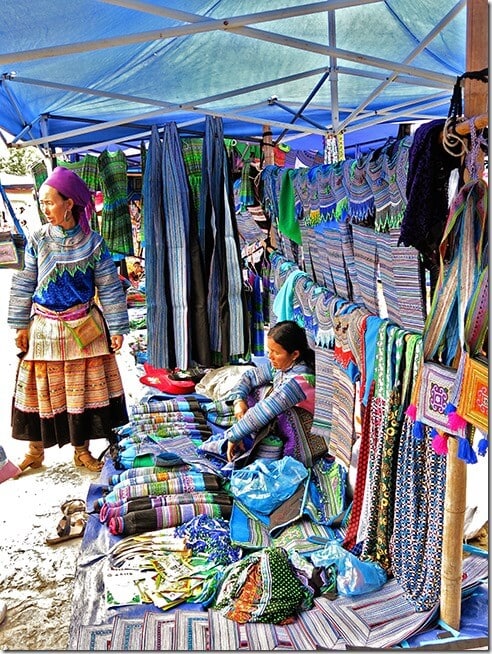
pixel 160 517
pixel 131 473
pixel 121 508
pixel 152 406
pixel 263 587
pixel 152 424
pixel 178 482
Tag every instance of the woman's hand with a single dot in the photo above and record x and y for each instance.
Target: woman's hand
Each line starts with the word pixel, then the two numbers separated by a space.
pixel 116 342
pixel 234 449
pixel 22 339
pixel 240 408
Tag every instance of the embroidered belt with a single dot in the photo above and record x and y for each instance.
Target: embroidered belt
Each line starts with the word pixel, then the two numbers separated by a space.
pixel 78 311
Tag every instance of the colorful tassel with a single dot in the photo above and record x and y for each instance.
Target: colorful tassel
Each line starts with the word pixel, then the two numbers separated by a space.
pixel 456 422
pixel 483 445
pixel 411 411
pixel 440 443
pixel 418 430
pixel 465 451
pixel 450 408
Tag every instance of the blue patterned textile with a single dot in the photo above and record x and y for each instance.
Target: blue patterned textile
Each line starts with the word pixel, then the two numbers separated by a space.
pixel 70 267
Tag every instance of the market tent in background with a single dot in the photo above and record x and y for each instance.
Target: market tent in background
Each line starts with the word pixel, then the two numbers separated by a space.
pixel 102 72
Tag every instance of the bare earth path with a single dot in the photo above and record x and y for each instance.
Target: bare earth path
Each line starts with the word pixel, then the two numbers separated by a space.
pixel 36 579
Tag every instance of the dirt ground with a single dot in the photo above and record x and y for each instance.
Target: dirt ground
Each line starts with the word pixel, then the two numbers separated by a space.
pixel 36 579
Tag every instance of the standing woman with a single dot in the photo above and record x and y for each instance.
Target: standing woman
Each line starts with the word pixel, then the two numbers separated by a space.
pixel 68 387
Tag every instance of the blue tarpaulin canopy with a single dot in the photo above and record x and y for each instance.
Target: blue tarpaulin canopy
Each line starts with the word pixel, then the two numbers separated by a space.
pixel 82 74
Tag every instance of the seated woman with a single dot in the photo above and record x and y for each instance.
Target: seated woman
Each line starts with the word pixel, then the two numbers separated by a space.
pixel 274 402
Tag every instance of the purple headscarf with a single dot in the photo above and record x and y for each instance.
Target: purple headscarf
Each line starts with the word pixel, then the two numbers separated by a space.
pixel 72 186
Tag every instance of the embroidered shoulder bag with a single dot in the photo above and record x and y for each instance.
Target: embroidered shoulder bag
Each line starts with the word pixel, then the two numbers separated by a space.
pixel 443 336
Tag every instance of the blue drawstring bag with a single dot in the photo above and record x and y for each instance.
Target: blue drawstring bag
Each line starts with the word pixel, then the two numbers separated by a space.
pixel 263 485
pixel 354 577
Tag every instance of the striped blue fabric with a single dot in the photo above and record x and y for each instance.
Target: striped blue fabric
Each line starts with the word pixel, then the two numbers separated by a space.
pixel 219 242
pixel 236 302
pixel 155 255
pixel 59 277
pixel 366 267
pixel 176 206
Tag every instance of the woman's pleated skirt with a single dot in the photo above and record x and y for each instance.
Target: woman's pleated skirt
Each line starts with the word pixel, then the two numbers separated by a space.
pixel 60 402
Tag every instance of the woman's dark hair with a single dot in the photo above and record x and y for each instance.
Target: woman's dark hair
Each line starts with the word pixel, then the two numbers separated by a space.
pixel 291 336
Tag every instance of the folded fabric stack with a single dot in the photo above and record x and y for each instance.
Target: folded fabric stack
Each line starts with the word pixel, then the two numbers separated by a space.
pixel 135 297
pixel 159 498
pixel 142 441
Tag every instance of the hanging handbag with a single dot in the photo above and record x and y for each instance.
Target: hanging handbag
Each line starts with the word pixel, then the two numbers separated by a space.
pixel 473 405
pixel 473 402
pixel 444 331
pixel 11 250
pixel 436 387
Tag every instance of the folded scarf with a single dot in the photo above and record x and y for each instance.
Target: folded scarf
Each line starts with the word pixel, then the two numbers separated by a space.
pixel 161 517
pixel 184 483
pixel 124 507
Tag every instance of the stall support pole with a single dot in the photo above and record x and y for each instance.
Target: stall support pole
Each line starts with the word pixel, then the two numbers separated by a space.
pixel 268 156
pixel 475 101
pixel 269 160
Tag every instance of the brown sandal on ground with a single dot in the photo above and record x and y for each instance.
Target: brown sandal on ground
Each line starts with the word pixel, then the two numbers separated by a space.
pixel 73 506
pixel 70 527
pixel 84 459
pixel 34 457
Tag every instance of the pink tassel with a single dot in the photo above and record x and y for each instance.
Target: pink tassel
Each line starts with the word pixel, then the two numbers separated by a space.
pixel 456 422
pixel 440 444
pixel 411 411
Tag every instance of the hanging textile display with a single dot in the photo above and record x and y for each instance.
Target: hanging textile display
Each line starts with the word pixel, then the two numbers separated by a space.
pixel 416 548
pixel 327 207
pixel 429 169
pixel 403 281
pixel 86 168
pixel 395 166
pixel 336 257
pixel 155 255
pixel 364 283
pixel 385 334
pixel 286 220
pixel 116 224
pixel 176 207
pixel 199 326
pixel 462 258
pixel 270 184
pixel 473 404
pixel 316 254
pixel 345 374
pixel 219 242
pixel 305 192
pixel 360 195
pixel 378 182
pixel 255 310
pixel 399 356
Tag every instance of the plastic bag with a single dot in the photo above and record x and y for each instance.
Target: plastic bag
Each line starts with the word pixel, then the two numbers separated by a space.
pixel 354 577
pixel 265 484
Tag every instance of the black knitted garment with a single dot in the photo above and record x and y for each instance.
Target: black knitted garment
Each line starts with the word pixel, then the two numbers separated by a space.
pixel 429 169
